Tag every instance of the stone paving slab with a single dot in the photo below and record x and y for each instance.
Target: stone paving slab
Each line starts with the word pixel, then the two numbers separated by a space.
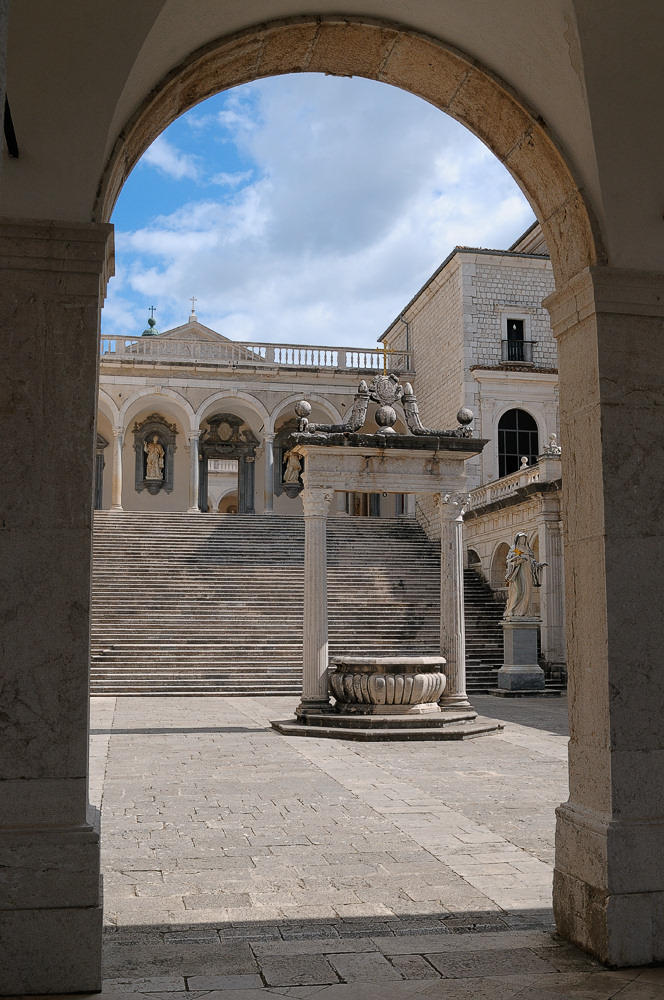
pixel 242 864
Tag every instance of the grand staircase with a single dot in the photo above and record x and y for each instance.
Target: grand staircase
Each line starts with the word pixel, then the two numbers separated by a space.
pixel 212 604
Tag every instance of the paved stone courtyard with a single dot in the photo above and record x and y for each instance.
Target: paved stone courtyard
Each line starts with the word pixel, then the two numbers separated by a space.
pixel 243 864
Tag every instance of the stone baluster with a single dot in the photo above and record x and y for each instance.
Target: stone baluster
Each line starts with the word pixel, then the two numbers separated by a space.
pixel 268 491
pixel 193 472
pixel 315 697
pixel 116 472
pixel 452 628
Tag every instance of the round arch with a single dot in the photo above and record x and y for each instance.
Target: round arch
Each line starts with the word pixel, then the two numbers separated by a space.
pixel 108 407
pixel 378 50
pixel 519 435
pixel 167 399
pixel 498 566
pixel 233 398
pixel 325 405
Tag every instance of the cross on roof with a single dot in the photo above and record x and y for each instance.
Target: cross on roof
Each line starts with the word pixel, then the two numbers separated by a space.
pixel 153 310
pixel 193 301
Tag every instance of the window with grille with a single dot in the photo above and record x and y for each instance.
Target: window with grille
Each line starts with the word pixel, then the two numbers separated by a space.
pixel 517 437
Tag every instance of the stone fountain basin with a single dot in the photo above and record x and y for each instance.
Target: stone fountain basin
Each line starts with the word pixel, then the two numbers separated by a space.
pixel 387 685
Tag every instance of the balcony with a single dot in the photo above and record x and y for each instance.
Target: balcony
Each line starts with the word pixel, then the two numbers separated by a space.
pixel 517 351
pixel 547 469
pixel 249 354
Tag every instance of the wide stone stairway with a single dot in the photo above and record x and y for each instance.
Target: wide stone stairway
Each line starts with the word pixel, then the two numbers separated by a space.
pixel 212 604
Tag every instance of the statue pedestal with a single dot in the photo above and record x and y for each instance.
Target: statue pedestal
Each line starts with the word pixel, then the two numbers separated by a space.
pixel 520 670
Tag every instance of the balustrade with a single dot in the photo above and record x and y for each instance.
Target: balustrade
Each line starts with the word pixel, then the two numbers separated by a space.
pixel 239 354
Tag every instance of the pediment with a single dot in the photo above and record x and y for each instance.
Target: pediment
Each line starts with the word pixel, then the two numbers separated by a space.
pixel 193 331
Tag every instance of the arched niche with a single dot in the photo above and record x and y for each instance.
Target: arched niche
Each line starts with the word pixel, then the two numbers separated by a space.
pixel 154 447
pixel 499 568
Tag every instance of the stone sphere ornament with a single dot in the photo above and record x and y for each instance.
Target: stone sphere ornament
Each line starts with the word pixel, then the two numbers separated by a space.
pixel 303 408
pixel 385 417
pixel 465 415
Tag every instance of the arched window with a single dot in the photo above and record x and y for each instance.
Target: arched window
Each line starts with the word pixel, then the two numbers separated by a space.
pixel 517 436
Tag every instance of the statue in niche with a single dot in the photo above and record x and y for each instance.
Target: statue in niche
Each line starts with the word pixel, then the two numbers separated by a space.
pixel 293 467
pixel 522 574
pixel 155 462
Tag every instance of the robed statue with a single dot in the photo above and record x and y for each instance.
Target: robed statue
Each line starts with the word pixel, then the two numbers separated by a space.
pixel 293 467
pixel 155 461
pixel 523 572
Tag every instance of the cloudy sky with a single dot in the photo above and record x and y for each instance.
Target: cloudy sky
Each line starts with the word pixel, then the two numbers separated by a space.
pixel 305 209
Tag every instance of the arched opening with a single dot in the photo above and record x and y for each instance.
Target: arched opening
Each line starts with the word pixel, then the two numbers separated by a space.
pixel 498 569
pixel 450 81
pixel 517 440
pixel 228 504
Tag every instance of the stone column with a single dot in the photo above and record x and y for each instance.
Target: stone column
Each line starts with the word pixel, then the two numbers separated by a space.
pixel 315 697
pixel 116 472
pixel 54 277
pixel 552 603
pixel 268 491
pixel 194 469
pixel 452 627
pixel 609 868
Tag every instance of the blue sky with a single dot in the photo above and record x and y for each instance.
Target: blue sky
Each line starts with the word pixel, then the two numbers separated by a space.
pixel 304 209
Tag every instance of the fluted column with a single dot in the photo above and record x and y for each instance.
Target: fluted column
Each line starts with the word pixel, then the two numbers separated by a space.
pixel 193 472
pixel 268 489
pixel 116 479
pixel 315 695
pixel 452 628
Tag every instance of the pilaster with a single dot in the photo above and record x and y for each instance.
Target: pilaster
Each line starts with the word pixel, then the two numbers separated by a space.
pixel 609 873
pixel 54 278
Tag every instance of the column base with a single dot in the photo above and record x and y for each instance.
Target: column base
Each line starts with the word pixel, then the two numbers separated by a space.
pixel 116 508
pixel 193 510
pixel 457 703
pixel 51 950
pixel 306 708
pixel 50 910
pixel 608 886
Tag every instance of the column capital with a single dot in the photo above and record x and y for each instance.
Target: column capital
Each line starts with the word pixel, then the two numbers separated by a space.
pixel 452 505
pixel 61 248
pixel 316 502
pixel 599 289
pixel 118 432
pixel 268 436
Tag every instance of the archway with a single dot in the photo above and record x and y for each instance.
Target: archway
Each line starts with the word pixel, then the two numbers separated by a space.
pixel 594 314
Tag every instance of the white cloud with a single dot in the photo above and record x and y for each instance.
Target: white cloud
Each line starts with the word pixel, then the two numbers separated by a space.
pixel 357 193
pixel 171 161
pixel 231 180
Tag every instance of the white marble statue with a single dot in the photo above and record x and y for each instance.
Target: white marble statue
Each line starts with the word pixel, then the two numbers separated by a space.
pixel 293 467
pixel 155 463
pixel 522 574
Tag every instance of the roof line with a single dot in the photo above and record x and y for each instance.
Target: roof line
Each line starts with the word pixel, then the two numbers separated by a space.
pixel 454 252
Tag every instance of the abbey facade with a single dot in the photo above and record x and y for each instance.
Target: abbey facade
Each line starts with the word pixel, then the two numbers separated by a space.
pixel 190 420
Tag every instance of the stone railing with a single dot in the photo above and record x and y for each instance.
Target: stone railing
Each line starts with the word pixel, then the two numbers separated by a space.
pixel 546 470
pixel 249 354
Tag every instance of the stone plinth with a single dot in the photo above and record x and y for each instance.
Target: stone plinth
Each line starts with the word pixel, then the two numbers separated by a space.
pixel 387 685
pixel 520 670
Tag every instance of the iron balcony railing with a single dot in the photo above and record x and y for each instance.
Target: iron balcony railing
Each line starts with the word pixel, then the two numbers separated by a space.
pixel 249 354
pixel 517 350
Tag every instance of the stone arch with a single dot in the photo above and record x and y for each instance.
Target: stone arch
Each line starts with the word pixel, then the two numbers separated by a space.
pixel 498 566
pixel 167 399
pixel 379 50
pixel 314 398
pixel 108 407
pixel 230 399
